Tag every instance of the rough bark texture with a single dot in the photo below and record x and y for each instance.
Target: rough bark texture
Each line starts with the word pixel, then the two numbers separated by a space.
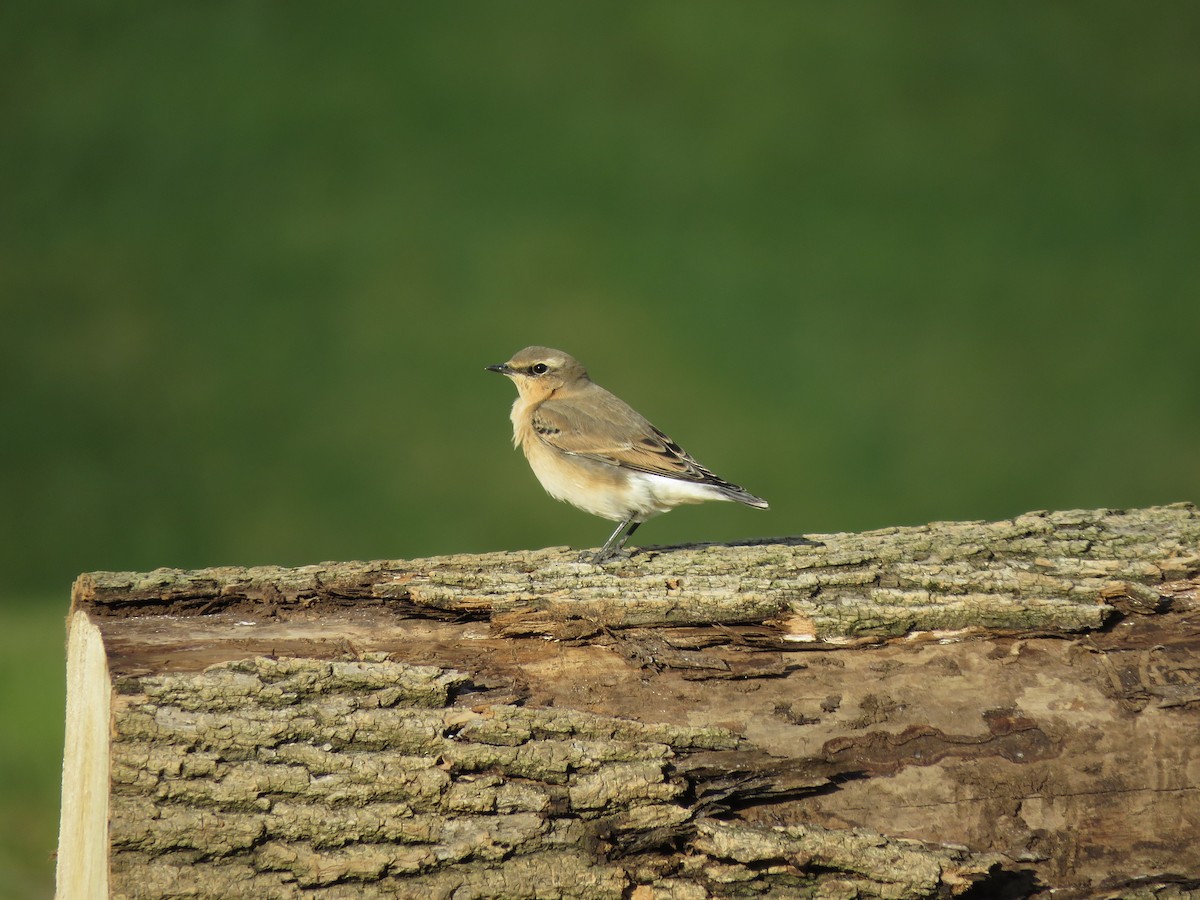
pixel 997 708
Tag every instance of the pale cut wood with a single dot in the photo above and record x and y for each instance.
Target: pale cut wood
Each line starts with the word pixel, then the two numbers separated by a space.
pixel 912 712
pixel 82 863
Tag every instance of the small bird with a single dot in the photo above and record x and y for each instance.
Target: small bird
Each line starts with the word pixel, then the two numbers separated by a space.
pixel 593 450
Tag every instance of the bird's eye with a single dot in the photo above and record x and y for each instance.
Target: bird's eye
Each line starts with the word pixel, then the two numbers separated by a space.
pixel 539 369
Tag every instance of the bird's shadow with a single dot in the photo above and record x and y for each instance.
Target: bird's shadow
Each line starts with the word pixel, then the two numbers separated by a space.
pixel 795 540
pixel 789 541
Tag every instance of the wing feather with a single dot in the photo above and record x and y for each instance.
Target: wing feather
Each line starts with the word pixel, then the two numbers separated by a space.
pixel 606 429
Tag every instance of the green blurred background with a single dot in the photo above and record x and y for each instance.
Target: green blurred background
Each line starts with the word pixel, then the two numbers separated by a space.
pixel 881 263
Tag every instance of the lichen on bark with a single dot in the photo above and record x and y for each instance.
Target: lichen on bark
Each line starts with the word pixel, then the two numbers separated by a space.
pixel 312 778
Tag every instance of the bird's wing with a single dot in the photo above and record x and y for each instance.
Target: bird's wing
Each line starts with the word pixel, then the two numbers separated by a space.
pixel 604 428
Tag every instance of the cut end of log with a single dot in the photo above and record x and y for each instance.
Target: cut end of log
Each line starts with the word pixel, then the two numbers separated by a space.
pixel 82 865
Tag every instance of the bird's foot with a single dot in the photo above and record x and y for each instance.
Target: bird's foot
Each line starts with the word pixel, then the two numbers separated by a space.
pixel 600 557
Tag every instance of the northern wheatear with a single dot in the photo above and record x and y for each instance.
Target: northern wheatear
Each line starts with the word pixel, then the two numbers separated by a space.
pixel 593 450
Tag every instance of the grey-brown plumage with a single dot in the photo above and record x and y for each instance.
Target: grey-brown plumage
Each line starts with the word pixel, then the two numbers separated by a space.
pixel 590 448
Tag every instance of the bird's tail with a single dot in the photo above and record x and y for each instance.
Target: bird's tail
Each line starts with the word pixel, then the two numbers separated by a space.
pixel 739 494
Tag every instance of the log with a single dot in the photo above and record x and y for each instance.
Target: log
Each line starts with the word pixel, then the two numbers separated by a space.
pixel 984 709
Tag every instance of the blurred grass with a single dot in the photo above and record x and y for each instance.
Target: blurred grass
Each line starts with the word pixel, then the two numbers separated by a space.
pixel 32 695
pixel 881 264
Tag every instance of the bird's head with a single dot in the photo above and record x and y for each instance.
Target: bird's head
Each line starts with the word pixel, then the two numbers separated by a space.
pixel 539 371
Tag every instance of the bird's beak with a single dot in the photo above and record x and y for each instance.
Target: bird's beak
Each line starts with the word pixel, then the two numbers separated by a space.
pixel 502 368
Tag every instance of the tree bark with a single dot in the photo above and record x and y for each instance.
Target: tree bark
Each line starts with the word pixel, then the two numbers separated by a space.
pixel 1011 707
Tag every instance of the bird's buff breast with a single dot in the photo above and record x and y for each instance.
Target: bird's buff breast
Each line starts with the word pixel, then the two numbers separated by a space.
pixel 594 487
pixel 604 490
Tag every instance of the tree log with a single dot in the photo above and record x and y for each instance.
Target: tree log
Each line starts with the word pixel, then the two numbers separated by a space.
pixel 993 709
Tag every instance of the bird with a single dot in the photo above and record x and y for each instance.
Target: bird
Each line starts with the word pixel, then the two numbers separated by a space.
pixel 593 450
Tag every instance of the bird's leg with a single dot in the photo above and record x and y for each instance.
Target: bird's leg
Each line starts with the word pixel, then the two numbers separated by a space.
pixel 614 544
